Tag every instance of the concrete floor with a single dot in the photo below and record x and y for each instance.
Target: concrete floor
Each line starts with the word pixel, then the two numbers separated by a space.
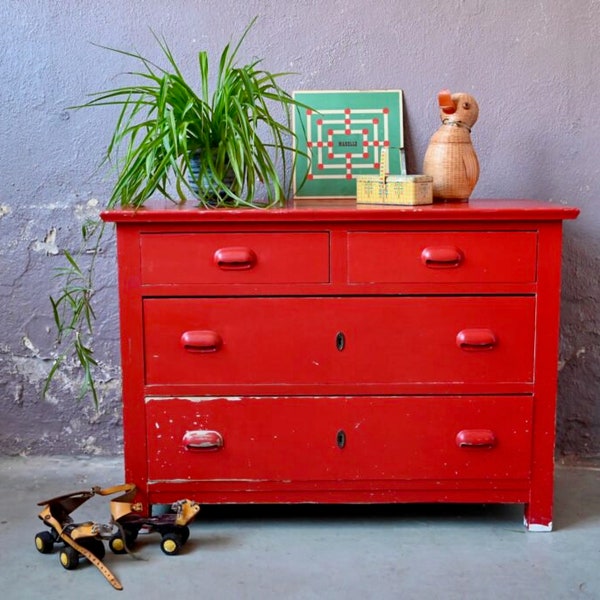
pixel 423 552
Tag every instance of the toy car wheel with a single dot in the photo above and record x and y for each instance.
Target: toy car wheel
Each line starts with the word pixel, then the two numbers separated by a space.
pixel 44 542
pixel 69 558
pixel 183 531
pixel 131 535
pixel 171 544
pixel 119 545
pixel 95 546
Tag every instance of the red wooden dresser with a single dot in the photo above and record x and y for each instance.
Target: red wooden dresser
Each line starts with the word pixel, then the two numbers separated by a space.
pixel 340 354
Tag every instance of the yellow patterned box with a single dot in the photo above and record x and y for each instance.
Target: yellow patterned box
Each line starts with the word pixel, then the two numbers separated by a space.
pixel 369 188
pixel 406 190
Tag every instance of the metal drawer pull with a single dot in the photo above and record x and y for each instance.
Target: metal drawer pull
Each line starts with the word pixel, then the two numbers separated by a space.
pixel 476 339
pixel 340 341
pixel 483 438
pixel 441 257
pixel 340 439
pixel 202 439
pixel 235 258
pixel 201 341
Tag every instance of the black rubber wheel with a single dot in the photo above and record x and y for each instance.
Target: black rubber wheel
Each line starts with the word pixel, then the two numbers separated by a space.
pixel 171 544
pixel 44 542
pixel 94 545
pixel 119 545
pixel 183 531
pixel 69 558
pixel 131 535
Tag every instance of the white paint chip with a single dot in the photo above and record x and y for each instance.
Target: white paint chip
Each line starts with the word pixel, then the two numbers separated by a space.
pixel 48 245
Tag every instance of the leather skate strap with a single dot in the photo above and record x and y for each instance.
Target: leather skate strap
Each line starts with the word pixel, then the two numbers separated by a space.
pixel 124 487
pixel 108 574
pixel 121 505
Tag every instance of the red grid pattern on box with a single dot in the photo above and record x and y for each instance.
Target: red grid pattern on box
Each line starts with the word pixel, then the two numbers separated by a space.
pixel 340 141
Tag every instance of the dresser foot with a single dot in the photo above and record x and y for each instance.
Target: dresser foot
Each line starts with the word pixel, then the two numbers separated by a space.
pixel 537 527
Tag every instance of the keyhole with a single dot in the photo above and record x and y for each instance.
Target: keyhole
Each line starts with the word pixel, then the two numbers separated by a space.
pixel 341 438
pixel 340 341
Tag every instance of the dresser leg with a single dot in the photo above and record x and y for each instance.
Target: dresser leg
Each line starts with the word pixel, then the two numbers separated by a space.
pixel 535 522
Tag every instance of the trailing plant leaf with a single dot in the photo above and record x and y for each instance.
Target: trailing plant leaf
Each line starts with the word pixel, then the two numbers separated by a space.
pixel 73 311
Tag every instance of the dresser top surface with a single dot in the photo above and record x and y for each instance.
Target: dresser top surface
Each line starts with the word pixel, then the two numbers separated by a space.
pixel 346 209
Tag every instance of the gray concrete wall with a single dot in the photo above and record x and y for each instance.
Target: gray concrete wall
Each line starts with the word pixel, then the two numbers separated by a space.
pixel 532 65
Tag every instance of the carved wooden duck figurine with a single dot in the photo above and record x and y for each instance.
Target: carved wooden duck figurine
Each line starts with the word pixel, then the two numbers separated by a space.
pixel 450 158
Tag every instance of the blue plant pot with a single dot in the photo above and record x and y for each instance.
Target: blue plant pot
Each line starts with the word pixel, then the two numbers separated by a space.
pixel 206 190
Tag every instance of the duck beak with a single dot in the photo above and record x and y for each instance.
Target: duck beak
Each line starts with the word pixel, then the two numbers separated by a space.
pixel 446 103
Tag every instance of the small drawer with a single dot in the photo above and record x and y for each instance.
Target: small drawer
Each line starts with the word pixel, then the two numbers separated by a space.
pixel 442 257
pixel 340 438
pixel 230 258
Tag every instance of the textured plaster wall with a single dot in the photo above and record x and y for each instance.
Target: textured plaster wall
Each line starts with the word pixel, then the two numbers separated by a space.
pixel 532 65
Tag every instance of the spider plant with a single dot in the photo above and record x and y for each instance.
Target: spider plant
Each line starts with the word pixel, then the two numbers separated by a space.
pixel 166 126
pixel 220 144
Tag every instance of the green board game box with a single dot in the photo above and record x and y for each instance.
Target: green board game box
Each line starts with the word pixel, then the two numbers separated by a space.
pixel 343 134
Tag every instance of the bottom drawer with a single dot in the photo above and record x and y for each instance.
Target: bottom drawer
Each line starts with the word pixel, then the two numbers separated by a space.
pixel 339 438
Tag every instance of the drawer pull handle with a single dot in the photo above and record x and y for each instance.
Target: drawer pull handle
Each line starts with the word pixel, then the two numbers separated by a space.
pixel 340 341
pixel 483 438
pixel 201 341
pixel 476 339
pixel 235 258
pixel 340 439
pixel 441 257
pixel 202 440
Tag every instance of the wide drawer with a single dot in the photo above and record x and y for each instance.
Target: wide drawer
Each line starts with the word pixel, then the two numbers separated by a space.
pixel 347 340
pixel 356 438
pixel 234 258
pixel 442 257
